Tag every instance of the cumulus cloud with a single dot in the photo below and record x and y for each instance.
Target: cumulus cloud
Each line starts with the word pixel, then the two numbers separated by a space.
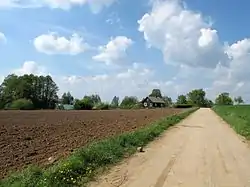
pixel 238 71
pixel 114 51
pixel 183 36
pixel 185 39
pixel 30 67
pixel 7 3
pixel 134 81
pixel 95 5
pixel 2 37
pixel 52 43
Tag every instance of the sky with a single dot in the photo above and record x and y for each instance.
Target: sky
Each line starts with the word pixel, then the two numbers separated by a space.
pixel 127 47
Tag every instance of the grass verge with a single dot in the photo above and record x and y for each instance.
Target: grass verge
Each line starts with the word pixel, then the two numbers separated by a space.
pixel 83 165
pixel 237 117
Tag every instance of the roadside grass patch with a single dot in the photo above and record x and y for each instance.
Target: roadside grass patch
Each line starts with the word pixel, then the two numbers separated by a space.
pixel 83 165
pixel 237 117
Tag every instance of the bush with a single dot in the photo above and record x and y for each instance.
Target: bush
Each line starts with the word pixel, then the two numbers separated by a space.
pixel 83 104
pixel 183 106
pixel 102 106
pixel 127 107
pixel 138 106
pixel 129 102
pixel 21 104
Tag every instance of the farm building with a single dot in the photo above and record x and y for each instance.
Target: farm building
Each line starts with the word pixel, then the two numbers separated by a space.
pixel 153 102
pixel 64 107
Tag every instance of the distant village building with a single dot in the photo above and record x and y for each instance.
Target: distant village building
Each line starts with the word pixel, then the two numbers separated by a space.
pixel 60 106
pixel 150 102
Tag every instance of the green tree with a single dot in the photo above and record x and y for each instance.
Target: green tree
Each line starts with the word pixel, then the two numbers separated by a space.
pixel 208 103
pixel 224 99
pixel 129 101
pixel 9 89
pixel 182 99
pixel 115 102
pixel 41 90
pixel 67 99
pixel 238 100
pixel 156 93
pixel 95 99
pixel 85 104
pixel 168 100
pixel 197 97
pixel 77 104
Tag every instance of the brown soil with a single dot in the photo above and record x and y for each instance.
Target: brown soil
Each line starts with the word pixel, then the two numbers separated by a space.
pixel 31 137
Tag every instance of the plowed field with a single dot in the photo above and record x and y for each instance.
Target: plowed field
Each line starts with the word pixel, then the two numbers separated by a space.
pixel 31 137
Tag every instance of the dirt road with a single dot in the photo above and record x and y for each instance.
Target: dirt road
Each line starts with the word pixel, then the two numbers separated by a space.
pixel 201 151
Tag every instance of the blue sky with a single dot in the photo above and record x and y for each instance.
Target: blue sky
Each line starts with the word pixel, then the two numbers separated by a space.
pixel 125 47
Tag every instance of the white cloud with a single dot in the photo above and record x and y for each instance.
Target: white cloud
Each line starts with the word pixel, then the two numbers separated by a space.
pixel 7 3
pixel 30 67
pixel 2 37
pixel 52 43
pixel 183 36
pixel 114 51
pixel 1 79
pixel 185 39
pixel 95 5
pixel 137 80
pixel 114 20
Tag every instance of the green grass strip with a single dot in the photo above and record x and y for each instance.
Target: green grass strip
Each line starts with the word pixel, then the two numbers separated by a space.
pixel 237 117
pixel 85 163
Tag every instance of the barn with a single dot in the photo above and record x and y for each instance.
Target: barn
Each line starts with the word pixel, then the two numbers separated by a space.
pixel 150 102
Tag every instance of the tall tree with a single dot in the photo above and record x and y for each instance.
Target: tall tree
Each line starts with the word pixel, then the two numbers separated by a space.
pixel 197 97
pixel 95 99
pixel 129 101
pixel 67 99
pixel 208 103
pixel 156 93
pixel 168 100
pixel 10 89
pixel 224 99
pixel 42 90
pixel 182 99
pixel 115 101
pixel 238 100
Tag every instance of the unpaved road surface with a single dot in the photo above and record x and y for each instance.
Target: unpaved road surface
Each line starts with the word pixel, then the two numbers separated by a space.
pixel 201 151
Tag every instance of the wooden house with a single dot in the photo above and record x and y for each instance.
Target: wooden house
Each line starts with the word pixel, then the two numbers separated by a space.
pixel 150 102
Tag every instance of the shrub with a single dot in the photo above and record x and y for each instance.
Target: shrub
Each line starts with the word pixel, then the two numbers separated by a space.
pixel 129 102
pixel 21 104
pixel 83 104
pixel 138 106
pixel 102 106
pixel 183 106
pixel 127 107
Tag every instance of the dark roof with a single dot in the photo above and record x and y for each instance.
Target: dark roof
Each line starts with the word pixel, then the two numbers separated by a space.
pixel 155 100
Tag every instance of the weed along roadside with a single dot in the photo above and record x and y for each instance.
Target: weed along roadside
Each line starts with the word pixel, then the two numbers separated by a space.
pixel 237 117
pixel 85 163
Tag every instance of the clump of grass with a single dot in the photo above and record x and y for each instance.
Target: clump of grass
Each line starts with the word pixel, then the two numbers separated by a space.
pixel 83 165
pixel 237 117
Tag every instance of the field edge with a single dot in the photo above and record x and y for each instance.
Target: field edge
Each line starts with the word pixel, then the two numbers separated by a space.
pixel 236 118
pixel 83 165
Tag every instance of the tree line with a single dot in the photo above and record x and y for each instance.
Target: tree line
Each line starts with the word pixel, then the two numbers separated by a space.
pixel 28 92
pixel 41 92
